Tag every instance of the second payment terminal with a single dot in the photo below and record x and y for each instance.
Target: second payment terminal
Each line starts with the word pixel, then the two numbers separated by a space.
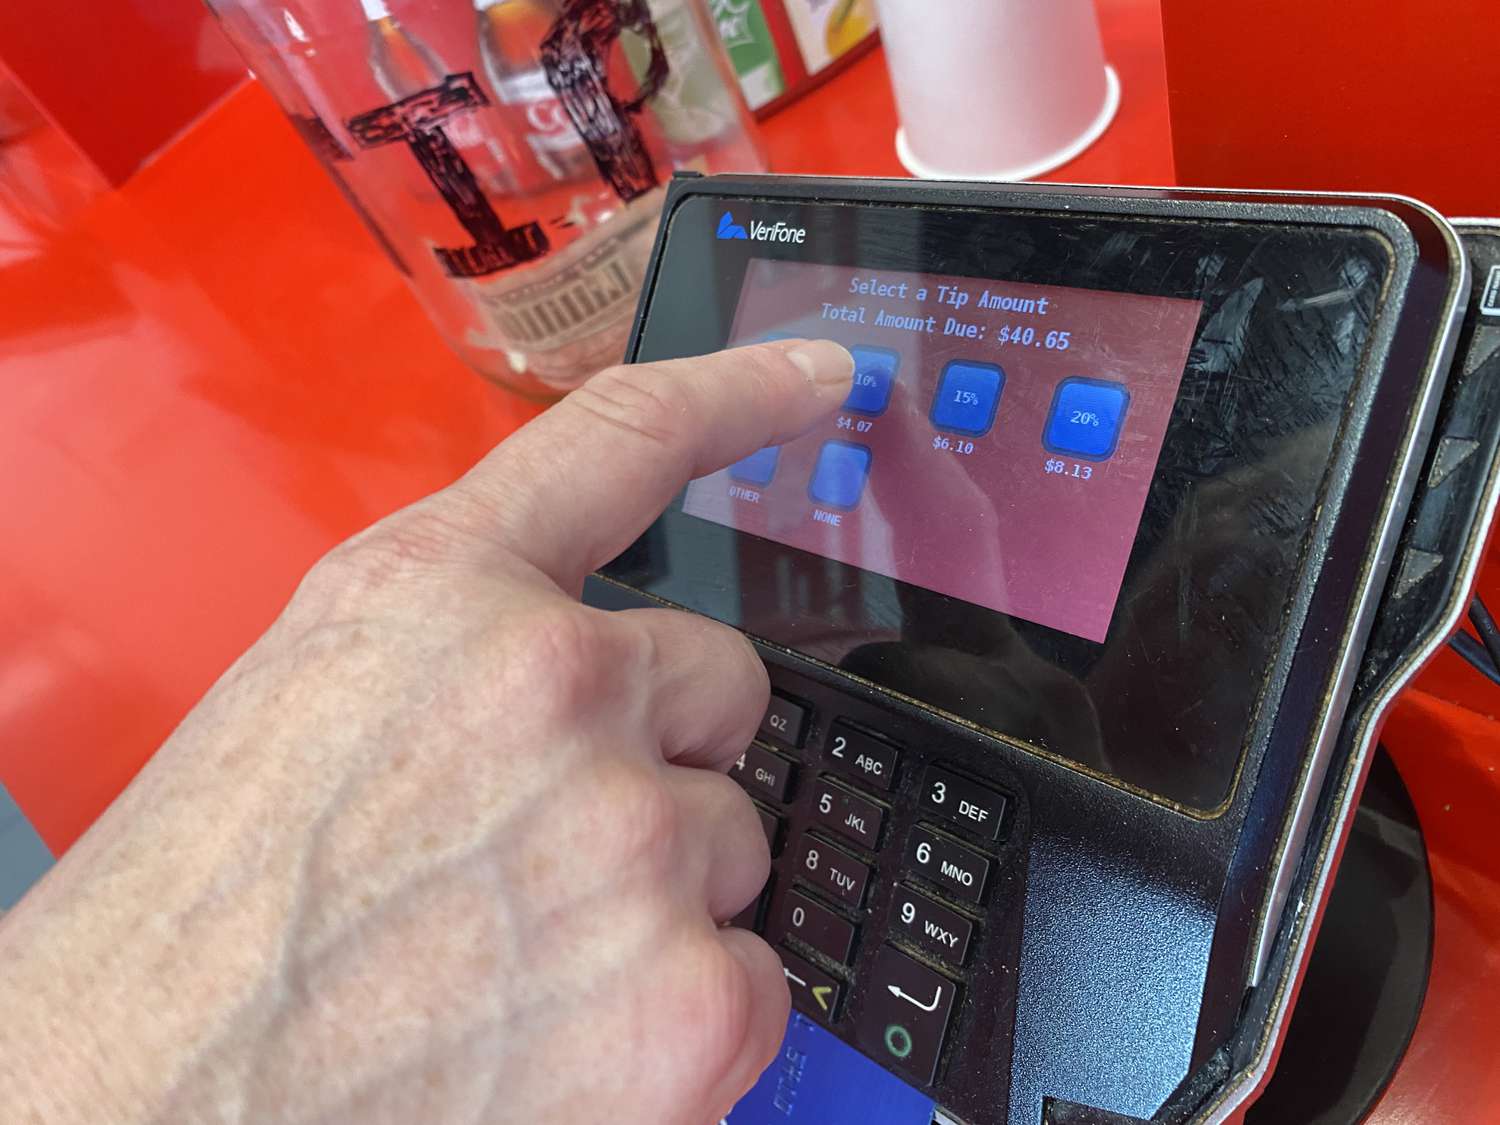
pixel 1064 613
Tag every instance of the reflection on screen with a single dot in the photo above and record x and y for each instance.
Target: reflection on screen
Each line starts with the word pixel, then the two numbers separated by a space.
pixel 997 445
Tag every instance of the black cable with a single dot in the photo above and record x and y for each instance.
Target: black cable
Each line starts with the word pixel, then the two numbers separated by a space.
pixel 1484 625
pixel 1476 654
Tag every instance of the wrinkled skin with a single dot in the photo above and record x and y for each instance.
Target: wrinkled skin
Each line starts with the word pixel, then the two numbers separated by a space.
pixel 444 845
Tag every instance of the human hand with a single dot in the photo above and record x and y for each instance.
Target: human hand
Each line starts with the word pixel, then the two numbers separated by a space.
pixel 444 845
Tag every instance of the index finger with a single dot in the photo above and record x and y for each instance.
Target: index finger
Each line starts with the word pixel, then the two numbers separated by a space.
pixel 577 485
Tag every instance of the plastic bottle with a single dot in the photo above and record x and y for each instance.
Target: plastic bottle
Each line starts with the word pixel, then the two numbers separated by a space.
pixel 508 33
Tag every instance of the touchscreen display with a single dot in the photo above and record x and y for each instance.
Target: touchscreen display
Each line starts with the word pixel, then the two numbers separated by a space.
pixel 998 443
pixel 1069 496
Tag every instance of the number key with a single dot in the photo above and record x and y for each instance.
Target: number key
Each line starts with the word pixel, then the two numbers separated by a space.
pixel 942 932
pixel 848 814
pixel 948 864
pixel 978 809
pixel 763 773
pixel 813 923
pixel 862 756
pixel 785 721
pixel 831 870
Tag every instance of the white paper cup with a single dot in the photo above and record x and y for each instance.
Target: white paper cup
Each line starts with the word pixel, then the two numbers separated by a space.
pixel 996 89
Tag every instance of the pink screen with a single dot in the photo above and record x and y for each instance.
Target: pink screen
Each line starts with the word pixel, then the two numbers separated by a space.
pixel 997 446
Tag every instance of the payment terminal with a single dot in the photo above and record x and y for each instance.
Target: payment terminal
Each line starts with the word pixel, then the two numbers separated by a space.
pixel 1064 612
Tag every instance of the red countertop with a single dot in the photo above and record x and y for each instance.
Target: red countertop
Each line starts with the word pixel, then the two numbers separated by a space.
pixel 211 376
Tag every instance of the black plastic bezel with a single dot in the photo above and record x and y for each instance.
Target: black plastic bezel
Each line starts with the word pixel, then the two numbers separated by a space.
pixel 1119 886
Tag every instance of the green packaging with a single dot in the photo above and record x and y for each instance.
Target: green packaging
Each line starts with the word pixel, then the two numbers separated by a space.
pixel 742 28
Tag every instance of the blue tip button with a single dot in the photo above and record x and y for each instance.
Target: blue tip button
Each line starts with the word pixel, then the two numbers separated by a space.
pixel 1086 418
pixel 874 375
pixel 967 397
pixel 758 468
pixel 838 480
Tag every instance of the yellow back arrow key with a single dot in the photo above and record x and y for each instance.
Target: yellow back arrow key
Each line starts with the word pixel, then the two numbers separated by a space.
pixel 821 992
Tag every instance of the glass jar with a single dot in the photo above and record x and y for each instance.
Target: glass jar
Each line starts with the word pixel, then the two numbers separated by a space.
pixel 507 154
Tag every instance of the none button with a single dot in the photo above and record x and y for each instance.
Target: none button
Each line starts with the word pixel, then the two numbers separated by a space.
pixel 814 924
pixel 847 814
pixel 964 802
pixel 838 479
pixel 763 773
pixel 907 1008
pixel 862 756
pixel 944 933
pixel 813 990
pixel 785 720
pixel 833 871
pixel 947 864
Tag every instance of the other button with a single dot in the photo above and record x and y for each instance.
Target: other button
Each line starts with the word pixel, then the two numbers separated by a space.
pixel 942 932
pixel 811 922
pixel 784 721
pixel 907 1009
pixel 831 870
pixel 758 468
pixel 763 773
pixel 838 479
pixel 813 990
pixel 947 864
pixel 874 375
pixel 967 397
pixel 1086 418
pixel 978 809
pixel 862 756
pixel 851 816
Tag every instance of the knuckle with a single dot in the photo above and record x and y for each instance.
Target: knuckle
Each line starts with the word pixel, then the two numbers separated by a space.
pixel 657 825
pixel 721 661
pixel 731 811
pixel 741 823
pixel 728 1026
pixel 339 576
pixel 416 538
pixel 744 862
pixel 641 820
pixel 737 682
pixel 743 664
pixel 639 399
pixel 568 656
pixel 408 543
pixel 751 687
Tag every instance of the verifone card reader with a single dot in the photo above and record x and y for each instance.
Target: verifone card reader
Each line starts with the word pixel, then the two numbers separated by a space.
pixel 1065 609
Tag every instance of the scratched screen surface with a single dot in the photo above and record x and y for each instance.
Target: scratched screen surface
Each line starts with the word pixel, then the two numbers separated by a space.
pixel 998 445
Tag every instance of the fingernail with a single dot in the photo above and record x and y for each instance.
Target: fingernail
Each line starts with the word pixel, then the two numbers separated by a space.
pixel 824 363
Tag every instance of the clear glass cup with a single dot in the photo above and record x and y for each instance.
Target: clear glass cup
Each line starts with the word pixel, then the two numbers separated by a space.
pixel 507 154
